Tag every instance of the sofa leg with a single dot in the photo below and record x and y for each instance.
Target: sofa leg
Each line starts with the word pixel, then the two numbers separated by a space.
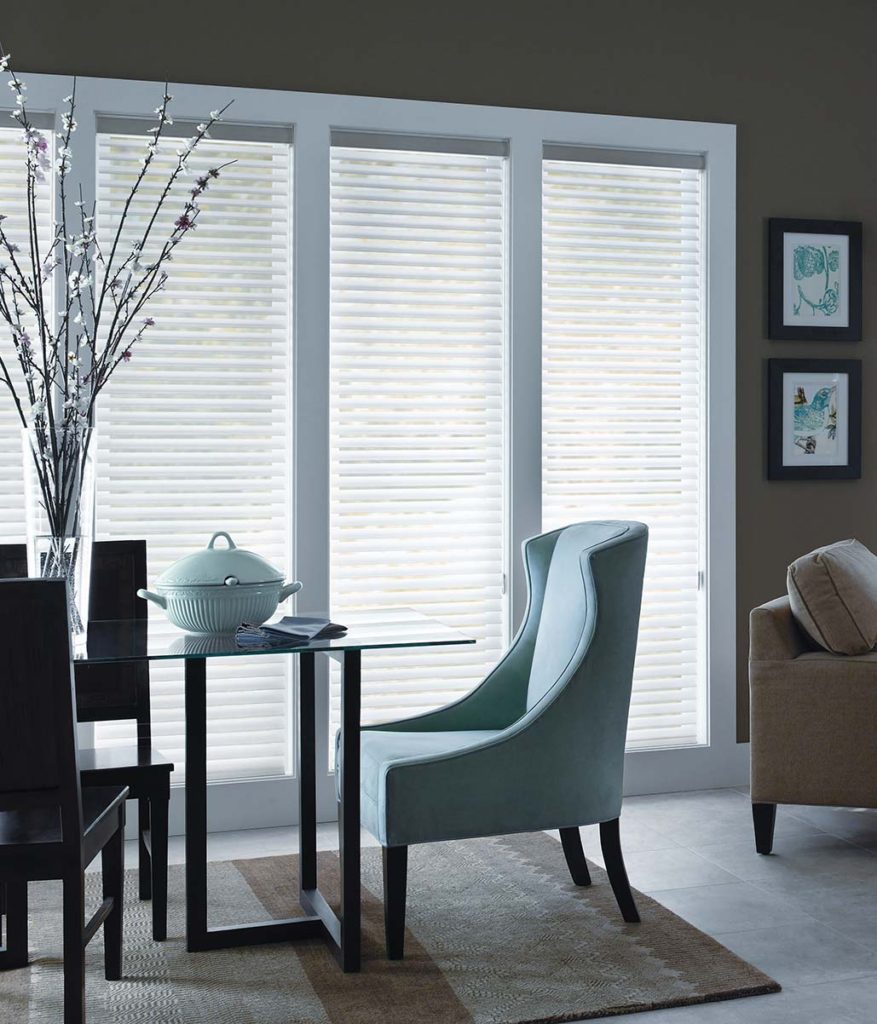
pixel 610 843
pixel 764 818
pixel 395 885
pixel 571 840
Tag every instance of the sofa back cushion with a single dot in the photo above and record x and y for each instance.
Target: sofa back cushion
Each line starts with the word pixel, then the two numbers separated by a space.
pixel 833 594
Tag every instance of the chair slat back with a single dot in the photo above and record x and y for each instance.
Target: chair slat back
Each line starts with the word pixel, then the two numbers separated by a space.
pixel 106 692
pixel 116 692
pixel 38 760
pixel 13 561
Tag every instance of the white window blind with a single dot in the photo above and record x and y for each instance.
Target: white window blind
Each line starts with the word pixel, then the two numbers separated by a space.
pixel 622 403
pixel 13 203
pixel 417 450
pixel 194 433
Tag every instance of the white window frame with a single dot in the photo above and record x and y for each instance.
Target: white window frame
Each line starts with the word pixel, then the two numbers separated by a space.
pixel 313 117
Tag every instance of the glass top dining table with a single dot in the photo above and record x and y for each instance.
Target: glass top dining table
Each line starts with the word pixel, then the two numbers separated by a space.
pixel 139 640
pixel 132 640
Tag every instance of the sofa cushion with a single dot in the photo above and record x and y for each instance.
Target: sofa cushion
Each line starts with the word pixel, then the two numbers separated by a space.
pixel 833 594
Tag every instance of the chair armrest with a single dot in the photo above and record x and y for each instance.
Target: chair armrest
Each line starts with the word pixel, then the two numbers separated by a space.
pixel 490 705
pixel 773 633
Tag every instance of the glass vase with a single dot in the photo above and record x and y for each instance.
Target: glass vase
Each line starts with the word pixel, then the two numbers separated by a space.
pixel 59 500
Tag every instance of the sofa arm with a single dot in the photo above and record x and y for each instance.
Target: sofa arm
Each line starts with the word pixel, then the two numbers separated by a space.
pixel 773 633
pixel 813 730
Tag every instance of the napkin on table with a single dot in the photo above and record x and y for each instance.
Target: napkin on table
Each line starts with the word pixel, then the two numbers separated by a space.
pixel 290 629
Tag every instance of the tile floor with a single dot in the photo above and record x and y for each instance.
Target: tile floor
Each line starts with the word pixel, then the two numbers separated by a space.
pixel 807 915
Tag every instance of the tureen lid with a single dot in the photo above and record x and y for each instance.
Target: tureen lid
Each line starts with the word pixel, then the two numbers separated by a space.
pixel 227 566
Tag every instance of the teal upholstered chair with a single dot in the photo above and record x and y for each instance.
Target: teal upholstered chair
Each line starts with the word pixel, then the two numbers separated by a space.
pixel 539 744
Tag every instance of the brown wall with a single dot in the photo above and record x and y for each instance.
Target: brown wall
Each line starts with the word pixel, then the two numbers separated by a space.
pixel 797 76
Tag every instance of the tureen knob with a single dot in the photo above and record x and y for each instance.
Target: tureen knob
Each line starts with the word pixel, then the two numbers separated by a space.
pixel 231 581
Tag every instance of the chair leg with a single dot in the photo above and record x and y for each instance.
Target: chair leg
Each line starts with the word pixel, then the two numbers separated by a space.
pixel 113 871
pixel 764 818
pixel 571 840
pixel 395 885
pixel 610 843
pixel 74 947
pixel 14 953
pixel 159 816
pixel 144 864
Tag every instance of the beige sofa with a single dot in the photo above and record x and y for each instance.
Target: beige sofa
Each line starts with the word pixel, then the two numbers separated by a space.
pixel 813 721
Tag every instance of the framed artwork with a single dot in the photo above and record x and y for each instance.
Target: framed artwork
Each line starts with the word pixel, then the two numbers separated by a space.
pixel 814 280
pixel 814 419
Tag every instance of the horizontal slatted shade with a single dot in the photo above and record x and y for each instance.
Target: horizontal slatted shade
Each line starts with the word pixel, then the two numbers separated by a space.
pixel 194 433
pixel 622 420
pixel 417 353
pixel 13 204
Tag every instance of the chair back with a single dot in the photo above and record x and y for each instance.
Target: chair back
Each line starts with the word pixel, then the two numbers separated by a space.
pixel 582 623
pixel 591 593
pixel 13 562
pixel 106 693
pixel 110 693
pixel 38 759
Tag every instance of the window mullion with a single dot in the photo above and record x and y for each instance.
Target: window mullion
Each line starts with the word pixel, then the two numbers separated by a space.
pixel 524 377
pixel 311 401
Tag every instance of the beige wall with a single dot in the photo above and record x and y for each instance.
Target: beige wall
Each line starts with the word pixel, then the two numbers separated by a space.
pixel 797 76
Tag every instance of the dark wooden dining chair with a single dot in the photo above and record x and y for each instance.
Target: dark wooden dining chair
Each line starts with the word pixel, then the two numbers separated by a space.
pixel 115 693
pixel 51 827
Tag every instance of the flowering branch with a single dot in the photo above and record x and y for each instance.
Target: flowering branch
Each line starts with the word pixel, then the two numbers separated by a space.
pixel 102 303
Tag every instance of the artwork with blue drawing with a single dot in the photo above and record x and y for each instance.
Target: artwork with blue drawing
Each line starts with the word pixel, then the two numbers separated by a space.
pixel 815 418
pixel 816 279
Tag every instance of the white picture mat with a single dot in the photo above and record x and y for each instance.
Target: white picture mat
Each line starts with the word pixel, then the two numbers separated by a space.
pixel 807 317
pixel 793 455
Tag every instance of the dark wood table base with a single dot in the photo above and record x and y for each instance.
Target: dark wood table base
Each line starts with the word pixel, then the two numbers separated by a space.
pixel 343 932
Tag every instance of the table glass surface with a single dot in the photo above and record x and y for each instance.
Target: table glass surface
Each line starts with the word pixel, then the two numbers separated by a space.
pixel 120 640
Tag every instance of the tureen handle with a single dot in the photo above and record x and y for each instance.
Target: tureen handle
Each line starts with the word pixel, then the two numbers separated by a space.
pixel 222 533
pixel 148 595
pixel 289 589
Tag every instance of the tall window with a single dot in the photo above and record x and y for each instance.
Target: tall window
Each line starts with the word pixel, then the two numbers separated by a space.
pixel 453 400
pixel 417 431
pixel 622 402
pixel 196 437
pixel 13 205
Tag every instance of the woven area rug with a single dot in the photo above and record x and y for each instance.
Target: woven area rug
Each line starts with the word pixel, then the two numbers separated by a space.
pixel 498 934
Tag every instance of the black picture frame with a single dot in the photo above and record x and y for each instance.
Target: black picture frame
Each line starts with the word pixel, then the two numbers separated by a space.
pixel 777 369
pixel 777 330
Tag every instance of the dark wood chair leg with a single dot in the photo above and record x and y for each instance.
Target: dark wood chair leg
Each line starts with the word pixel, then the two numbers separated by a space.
pixel 113 871
pixel 159 815
pixel 764 818
pixel 14 953
pixel 144 866
pixel 395 886
pixel 571 840
pixel 610 843
pixel 74 947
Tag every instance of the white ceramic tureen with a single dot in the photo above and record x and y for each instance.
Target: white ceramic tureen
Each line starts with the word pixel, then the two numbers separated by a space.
pixel 215 589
